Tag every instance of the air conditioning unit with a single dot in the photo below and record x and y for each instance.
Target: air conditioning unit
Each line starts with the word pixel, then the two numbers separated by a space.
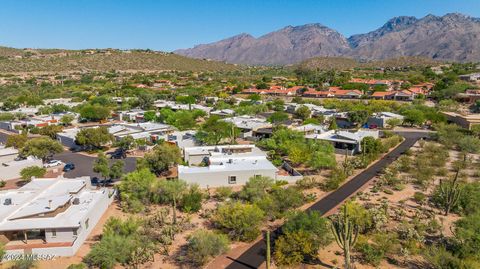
pixel 8 201
pixel 76 201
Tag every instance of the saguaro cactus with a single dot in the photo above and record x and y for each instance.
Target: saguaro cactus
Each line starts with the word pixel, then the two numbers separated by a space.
pixel 450 192
pixel 345 233
pixel 268 248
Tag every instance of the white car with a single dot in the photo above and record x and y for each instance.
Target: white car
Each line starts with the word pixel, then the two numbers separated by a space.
pixel 52 163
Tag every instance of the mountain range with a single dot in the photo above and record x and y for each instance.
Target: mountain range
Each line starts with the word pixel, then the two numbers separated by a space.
pixel 452 37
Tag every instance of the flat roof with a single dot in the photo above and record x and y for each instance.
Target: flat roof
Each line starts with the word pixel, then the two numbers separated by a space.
pixel 43 196
pixel 243 164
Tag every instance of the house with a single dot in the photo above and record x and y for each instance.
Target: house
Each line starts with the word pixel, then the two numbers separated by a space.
pixel 181 139
pixel 274 90
pixel 62 101
pixel 228 165
pixel 143 130
pixel 315 110
pixel 175 106
pixel 51 215
pixel 403 95
pixel 474 77
pixel 133 115
pixel 380 120
pixel 469 96
pixel 464 121
pixel 223 112
pixel 345 141
pixel 310 129
pixel 333 92
pixel 248 125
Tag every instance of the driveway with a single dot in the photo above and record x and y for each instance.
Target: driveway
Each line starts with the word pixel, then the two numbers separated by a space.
pixel 254 256
pixel 84 164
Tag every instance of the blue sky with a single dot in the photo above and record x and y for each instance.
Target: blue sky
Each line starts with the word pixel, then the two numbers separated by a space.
pixel 168 25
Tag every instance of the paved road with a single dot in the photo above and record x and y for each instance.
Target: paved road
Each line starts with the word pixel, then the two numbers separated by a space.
pixel 254 256
pixel 83 164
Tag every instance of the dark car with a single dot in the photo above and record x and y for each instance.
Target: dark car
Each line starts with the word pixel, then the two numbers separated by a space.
pixel 68 167
pixel 118 154
pixel 95 181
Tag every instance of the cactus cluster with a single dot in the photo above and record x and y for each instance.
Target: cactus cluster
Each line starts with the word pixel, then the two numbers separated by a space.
pixel 450 192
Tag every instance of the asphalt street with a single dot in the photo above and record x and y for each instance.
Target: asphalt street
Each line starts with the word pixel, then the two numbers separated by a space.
pixel 255 255
pixel 84 164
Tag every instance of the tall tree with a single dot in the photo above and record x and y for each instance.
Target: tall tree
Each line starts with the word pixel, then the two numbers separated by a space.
pixel 41 147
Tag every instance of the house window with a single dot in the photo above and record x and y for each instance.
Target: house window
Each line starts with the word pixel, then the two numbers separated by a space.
pixel 54 233
pixel 257 176
pixel 232 180
pixel 86 223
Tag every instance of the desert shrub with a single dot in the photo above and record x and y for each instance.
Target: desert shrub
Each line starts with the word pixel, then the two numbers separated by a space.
pixel 307 183
pixel 203 245
pixel 240 221
pixel 419 197
pixel 223 193
pixel 294 247
pixel 369 253
pixel 192 199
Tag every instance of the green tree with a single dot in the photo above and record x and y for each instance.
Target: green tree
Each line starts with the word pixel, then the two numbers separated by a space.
pixel 137 189
pixel 359 117
pixel 414 117
pixel 94 112
pixel 203 245
pixel 256 188
pixel 303 112
pixel 394 122
pixel 116 170
pixel 100 165
pixel 192 199
pixel 126 142
pixel 242 221
pixel 32 171
pixel 162 157
pixel 16 141
pixel 67 119
pixel 333 124
pixel 41 147
pixel 278 117
pixel 214 130
pixel 94 138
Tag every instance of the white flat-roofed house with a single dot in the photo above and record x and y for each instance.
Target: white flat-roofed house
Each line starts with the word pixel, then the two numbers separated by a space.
pixel 380 120
pixel 227 112
pixel 143 130
pixel 227 165
pixel 345 140
pixel 248 125
pixel 176 106
pixel 310 128
pixel 51 216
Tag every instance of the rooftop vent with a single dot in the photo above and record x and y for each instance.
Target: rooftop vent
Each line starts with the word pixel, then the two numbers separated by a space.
pixel 8 201
pixel 76 201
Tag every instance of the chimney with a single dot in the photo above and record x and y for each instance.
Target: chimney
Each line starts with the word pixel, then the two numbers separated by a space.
pixel 49 204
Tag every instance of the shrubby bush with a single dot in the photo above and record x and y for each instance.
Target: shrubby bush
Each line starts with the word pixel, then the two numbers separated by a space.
pixel 203 245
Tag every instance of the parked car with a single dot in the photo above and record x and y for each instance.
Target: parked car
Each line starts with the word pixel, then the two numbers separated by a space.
pixel 52 163
pixel 118 154
pixel 101 182
pixel 68 167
